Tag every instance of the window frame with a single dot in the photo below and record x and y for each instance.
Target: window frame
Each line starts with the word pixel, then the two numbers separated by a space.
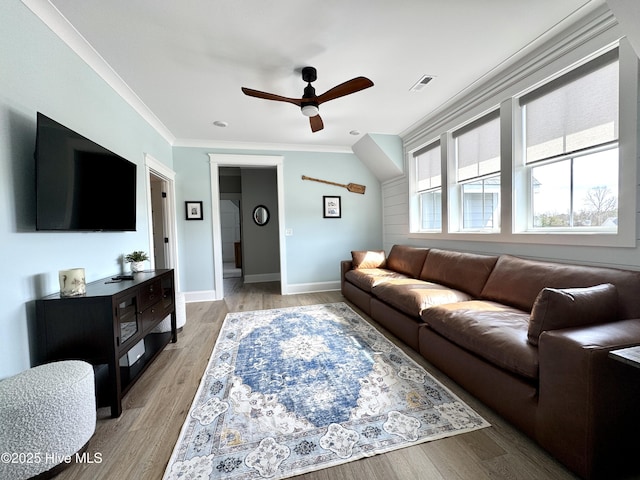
pixel 419 192
pixel 572 158
pixel 457 219
pixel 550 88
pixel 514 185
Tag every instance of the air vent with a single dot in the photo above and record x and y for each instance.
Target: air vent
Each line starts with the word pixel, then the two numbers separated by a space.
pixel 420 84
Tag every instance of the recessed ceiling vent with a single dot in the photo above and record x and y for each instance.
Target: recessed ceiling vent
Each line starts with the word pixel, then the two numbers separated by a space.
pixel 420 84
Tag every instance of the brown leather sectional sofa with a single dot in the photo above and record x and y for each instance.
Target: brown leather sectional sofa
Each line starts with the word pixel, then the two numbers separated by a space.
pixel 528 338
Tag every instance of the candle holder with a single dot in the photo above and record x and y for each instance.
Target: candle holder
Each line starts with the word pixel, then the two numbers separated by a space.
pixel 72 282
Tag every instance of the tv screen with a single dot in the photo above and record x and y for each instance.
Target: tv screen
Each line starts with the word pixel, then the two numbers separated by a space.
pixel 81 186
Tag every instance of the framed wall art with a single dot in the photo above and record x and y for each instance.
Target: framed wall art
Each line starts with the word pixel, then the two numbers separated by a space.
pixel 193 210
pixel 331 207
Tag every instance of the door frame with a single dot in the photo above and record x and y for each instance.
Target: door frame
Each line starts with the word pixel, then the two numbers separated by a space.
pixel 257 161
pixel 158 169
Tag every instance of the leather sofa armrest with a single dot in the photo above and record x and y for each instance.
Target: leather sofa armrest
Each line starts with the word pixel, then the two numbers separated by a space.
pixel 345 266
pixel 588 415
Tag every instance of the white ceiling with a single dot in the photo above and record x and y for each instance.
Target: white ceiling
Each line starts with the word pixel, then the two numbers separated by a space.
pixel 186 61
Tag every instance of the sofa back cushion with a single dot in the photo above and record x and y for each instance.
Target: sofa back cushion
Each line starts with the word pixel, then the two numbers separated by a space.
pixel 517 282
pixel 407 260
pixel 463 271
pixel 556 308
pixel 368 259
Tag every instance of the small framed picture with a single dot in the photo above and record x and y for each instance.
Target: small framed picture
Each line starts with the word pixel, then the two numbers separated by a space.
pixel 193 210
pixel 331 206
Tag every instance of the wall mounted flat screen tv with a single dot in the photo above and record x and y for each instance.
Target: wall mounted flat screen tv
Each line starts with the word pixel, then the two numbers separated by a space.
pixel 81 186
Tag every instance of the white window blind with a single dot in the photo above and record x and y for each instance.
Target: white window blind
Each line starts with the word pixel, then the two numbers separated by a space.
pixel 576 111
pixel 478 148
pixel 429 170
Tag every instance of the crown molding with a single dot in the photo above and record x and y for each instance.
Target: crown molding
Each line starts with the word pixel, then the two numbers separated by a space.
pixel 53 18
pixel 565 38
pixel 255 146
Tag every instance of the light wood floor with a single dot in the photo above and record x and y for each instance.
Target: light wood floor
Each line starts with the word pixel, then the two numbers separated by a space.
pixel 138 444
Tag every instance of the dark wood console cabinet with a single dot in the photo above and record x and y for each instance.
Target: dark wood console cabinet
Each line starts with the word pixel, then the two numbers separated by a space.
pixel 106 326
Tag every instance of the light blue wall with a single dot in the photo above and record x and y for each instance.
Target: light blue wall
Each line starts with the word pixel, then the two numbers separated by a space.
pixel 38 72
pixel 317 244
pixel 391 145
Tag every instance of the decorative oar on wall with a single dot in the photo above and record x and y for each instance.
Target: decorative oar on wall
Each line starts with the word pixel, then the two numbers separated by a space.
pixel 352 187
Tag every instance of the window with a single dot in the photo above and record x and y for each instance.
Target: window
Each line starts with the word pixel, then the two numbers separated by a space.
pixel 477 150
pixel 555 164
pixel 429 186
pixel 571 149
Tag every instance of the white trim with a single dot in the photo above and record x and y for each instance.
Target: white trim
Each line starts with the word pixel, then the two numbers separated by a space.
pixel 542 238
pixel 58 23
pixel 313 287
pixel 151 165
pixel 227 160
pixel 599 31
pixel 200 296
pixel 275 147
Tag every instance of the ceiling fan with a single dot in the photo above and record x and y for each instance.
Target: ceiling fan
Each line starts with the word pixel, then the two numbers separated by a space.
pixel 310 102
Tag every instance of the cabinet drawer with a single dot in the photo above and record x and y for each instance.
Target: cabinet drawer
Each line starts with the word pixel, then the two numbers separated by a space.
pixel 151 316
pixel 150 294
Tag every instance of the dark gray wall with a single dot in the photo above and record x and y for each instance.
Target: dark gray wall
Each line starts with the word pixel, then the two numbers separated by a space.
pixel 261 249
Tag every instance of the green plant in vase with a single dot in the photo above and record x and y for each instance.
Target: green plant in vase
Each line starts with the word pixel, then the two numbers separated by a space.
pixel 136 259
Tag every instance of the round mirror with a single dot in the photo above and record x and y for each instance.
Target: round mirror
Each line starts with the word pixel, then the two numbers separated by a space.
pixel 261 215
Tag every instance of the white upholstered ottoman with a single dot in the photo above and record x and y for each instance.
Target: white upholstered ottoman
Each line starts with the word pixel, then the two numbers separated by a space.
pixel 47 413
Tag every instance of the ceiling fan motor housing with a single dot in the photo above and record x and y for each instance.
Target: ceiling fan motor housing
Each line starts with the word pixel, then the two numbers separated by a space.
pixel 309 107
pixel 309 74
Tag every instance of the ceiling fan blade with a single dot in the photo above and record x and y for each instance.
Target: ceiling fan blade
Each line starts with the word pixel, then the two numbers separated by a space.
pixel 316 123
pixel 270 96
pixel 350 86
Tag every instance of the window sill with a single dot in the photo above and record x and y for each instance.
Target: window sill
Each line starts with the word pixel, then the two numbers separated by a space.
pixel 537 238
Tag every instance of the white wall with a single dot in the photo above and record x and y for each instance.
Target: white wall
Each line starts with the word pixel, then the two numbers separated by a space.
pixel 230 227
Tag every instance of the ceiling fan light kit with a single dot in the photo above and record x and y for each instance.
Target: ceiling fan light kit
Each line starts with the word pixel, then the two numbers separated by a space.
pixel 310 110
pixel 310 102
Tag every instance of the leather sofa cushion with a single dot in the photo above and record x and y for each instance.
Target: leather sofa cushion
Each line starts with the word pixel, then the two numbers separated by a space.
pixel 517 282
pixel 463 271
pixel 366 278
pixel 407 260
pixel 572 307
pixel 497 333
pixel 411 296
pixel 368 259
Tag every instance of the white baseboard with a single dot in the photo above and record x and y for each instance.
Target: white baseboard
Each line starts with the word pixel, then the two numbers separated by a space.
pixel 312 287
pixel 200 296
pixel 291 289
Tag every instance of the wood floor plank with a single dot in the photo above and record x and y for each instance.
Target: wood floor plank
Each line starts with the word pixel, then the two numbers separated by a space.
pixel 138 444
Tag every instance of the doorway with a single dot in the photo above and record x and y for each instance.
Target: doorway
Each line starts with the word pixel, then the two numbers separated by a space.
pixel 161 214
pixel 231 227
pixel 160 239
pixel 257 161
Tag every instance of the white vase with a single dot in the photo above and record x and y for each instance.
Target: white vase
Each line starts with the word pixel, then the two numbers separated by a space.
pixel 137 266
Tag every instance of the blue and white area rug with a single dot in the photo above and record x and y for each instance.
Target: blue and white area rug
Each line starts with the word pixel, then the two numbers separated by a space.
pixel 292 390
